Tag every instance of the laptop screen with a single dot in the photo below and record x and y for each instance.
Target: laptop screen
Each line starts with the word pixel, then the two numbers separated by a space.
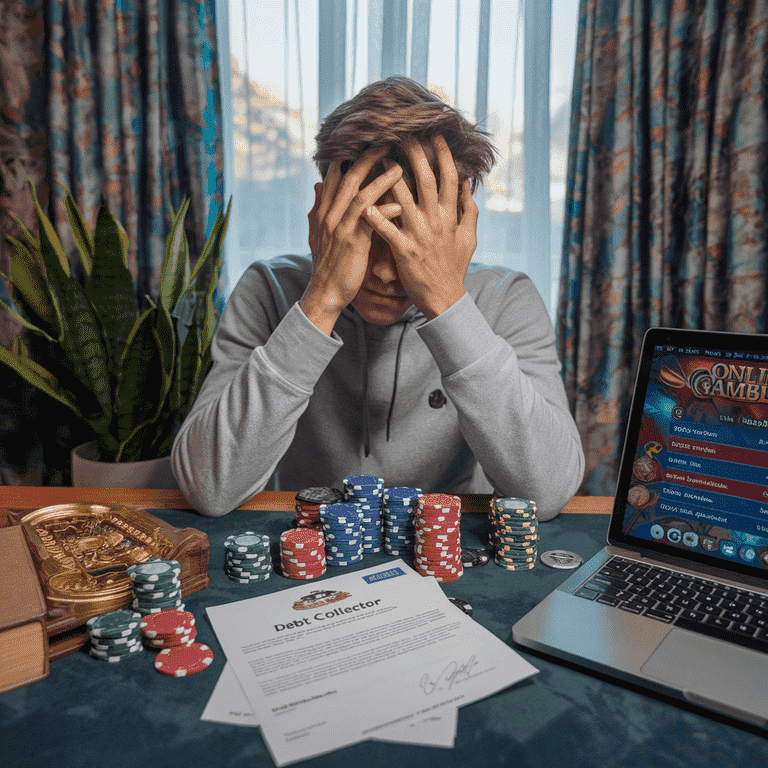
pixel 694 476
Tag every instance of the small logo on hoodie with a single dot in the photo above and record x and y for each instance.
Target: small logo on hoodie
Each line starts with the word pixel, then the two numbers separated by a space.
pixel 437 399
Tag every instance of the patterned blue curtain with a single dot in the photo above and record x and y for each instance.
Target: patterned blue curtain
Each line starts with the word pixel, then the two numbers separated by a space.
pixel 666 202
pixel 113 98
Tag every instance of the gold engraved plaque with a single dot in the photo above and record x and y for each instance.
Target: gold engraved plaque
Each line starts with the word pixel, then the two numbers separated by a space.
pixel 82 552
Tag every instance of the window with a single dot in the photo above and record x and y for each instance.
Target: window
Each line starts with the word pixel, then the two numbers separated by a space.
pixel 284 63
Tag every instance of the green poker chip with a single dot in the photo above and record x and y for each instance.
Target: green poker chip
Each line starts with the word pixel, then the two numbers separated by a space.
pixel 120 623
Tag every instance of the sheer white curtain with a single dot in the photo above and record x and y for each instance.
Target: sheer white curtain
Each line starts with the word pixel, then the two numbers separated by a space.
pixel 506 64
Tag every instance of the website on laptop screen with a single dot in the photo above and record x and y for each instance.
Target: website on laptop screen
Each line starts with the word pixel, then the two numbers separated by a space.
pixel 699 484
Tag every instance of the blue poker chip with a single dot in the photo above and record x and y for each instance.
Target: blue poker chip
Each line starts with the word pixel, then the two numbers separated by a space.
pixel 354 481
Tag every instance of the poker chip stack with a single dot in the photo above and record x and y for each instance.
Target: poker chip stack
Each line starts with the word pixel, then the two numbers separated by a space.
pixel 397 512
pixel 308 503
pixel 514 533
pixel 343 533
pixel 168 629
pixel 437 551
pixel 115 636
pixel 366 492
pixel 156 586
pixel 247 557
pixel 302 553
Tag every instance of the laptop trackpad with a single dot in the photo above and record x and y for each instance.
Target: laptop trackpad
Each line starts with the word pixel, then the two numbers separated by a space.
pixel 714 674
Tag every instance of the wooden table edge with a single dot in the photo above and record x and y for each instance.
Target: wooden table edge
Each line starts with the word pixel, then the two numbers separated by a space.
pixel 35 497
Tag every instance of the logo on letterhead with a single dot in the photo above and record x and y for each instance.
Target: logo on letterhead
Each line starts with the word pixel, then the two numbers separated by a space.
pixel 319 597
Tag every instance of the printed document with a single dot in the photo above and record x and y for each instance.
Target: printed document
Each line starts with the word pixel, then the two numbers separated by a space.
pixel 336 662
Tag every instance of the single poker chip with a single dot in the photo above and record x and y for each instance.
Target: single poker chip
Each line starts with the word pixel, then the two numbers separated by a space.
pixel 462 605
pixel 114 658
pixel 247 579
pixel 166 623
pixel 184 660
pixel 561 558
pixel 129 650
pixel 322 495
pixel 516 567
pixel 181 640
pixel 116 650
pixel 120 623
pixel 145 611
pixel 115 644
pixel 154 570
pixel 248 542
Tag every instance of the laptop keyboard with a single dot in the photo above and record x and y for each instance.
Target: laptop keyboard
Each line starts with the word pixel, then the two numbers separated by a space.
pixel 708 607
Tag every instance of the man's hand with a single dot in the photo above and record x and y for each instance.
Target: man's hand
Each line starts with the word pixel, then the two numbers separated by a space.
pixel 431 249
pixel 340 238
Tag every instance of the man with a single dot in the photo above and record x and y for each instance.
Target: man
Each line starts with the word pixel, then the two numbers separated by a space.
pixel 386 353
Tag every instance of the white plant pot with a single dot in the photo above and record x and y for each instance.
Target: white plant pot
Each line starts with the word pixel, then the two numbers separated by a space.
pixel 89 472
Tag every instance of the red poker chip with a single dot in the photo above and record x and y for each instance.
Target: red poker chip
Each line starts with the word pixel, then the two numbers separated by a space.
pixel 173 642
pixel 304 566
pixel 166 623
pixel 298 537
pixel 306 553
pixel 439 498
pixel 184 660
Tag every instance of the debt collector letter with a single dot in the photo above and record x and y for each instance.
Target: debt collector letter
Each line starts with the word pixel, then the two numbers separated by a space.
pixel 339 661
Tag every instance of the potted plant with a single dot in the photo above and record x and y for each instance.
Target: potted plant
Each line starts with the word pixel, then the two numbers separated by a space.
pixel 131 374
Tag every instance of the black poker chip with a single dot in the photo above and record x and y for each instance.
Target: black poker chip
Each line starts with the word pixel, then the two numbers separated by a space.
pixel 322 495
pixel 474 558
pixel 462 605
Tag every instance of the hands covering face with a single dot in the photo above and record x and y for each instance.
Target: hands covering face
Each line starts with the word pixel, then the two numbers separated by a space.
pixel 429 247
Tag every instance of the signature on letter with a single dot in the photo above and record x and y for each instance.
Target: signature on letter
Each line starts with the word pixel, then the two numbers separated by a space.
pixel 453 674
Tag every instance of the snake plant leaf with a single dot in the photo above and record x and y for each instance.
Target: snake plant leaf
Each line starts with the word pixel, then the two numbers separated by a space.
pixel 206 361
pixel 51 248
pixel 81 232
pixel 166 335
pixel 18 348
pixel 109 286
pixel 175 274
pixel 137 446
pixel 139 392
pixel 32 242
pixel 164 433
pixel 22 320
pixel 33 373
pixel 83 348
pixel 30 291
pixel 187 365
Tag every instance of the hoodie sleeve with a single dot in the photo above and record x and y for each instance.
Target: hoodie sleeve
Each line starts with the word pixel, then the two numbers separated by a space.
pixel 244 419
pixel 504 380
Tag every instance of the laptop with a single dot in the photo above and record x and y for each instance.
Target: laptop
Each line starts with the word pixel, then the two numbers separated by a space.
pixel 678 599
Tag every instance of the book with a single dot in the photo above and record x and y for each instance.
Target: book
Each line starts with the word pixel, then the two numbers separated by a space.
pixel 23 634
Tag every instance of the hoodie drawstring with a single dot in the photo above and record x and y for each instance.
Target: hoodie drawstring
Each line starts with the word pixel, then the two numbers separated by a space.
pixel 397 371
pixel 364 365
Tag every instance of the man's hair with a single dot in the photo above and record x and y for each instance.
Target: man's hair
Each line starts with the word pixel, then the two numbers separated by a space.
pixel 385 113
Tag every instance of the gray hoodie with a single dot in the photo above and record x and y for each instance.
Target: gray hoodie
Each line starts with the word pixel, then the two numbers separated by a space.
pixel 469 402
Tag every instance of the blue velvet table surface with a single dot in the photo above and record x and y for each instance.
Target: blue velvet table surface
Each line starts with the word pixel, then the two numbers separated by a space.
pixel 90 713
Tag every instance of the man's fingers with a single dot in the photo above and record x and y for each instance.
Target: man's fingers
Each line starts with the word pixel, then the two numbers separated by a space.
pixel 367 196
pixel 449 176
pixel 312 216
pixel 390 210
pixel 330 185
pixel 426 184
pixel 403 196
pixel 348 194
pixel 381 224
pixel 470 211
